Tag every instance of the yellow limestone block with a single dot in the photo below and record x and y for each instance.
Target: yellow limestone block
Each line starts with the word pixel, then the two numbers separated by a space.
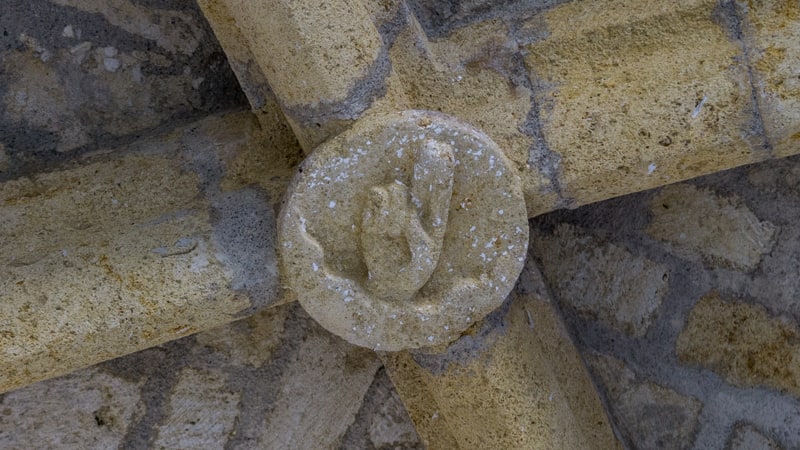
pixel 512 381
pixel 771 30
pixel 641 93
pixel 129 250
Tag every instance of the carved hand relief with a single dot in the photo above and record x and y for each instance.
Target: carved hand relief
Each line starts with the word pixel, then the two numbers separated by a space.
pixel 403 231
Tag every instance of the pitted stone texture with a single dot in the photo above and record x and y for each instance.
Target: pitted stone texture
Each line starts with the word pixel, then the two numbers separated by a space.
pixel 201 412
pixel 747 437
pixel 336 39
pixel 641 93
pixel 602 280
pixel 771 31
pixel 514 381
pixel 722 230
pixel 743 343
pixel 81 74
pixel 88 409
pixel 415 193
pixel 648 415
pixel 132 249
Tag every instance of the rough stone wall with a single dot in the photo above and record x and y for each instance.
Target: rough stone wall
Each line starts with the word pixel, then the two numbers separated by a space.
pixel 273 381
pixel 78 75
pixel 683 302
pixel 683 299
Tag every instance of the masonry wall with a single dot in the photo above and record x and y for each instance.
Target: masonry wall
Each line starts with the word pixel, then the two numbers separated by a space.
pixel 683 302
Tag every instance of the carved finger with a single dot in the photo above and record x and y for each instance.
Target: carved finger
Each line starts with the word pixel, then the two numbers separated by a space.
pixel 432 186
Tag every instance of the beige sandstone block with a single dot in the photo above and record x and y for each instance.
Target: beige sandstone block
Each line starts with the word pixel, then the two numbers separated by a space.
pixel 649 415
pixel 640 93
pixel 771 31
pixel 742 343
pixel 467 75
pixel 200 413
pixel 325 62
pixel 311 52
pixel 722 230
pixel 602 280
pixel 88 409
pixel 321 391
pixel 512 381
pixel 132 249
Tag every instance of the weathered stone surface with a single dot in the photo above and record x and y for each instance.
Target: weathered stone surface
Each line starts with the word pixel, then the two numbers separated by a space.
pixel 403 231
pixel 526 72
pixel 83 74
pixel 439 17
pixel 189 393
pixel 771 30
pixel 250 342
pixel 722 230
pixel 635 94
pixel 336 39
pixel 382 421
pixel 513 381
pixel 200 414
pixel 759 347
pixel 133 249
pixel 88 409
pixel 747 437
pixel 602 280
pixel 4 160
pixel 648 415
pixel 474 74
pixel 324 61
pixel 777 282
pixel 321 391
pixel 743 343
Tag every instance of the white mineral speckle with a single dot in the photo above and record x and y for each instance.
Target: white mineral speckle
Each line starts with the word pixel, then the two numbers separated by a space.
pixel 501 212
pixel 111 64
pixel 136 74
pixel 332 204
pixel 651 168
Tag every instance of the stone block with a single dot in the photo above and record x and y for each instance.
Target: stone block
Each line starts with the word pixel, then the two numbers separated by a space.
pixel 81 75
pixel 601 280
pixel 134 248
pixel 722 230
pixel 647 414
pixel 513 381
pixel 201 412
pixel 742 343
pixel 635 94
pixel 771 31
pixel 88 409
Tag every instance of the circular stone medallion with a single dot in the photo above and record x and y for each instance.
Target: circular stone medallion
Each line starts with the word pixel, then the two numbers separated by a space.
pixel 403 231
